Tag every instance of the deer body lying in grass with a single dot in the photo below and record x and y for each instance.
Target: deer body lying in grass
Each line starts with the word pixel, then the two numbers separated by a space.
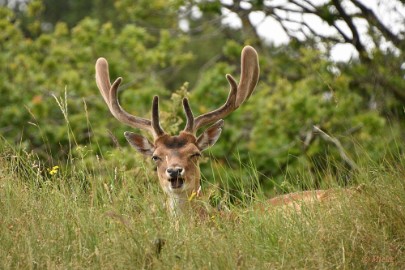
pixel 177 157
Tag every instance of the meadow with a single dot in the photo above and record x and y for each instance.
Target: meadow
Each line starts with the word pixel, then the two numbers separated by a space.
pixel 74 195
pixel 101 215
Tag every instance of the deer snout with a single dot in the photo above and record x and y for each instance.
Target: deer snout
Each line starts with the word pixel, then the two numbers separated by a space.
pixel 174 172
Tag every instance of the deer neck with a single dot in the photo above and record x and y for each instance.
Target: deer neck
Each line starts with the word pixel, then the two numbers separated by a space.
pixel 180 203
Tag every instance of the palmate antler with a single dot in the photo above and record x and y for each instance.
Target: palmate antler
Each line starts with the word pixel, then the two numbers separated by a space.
pixel 238 94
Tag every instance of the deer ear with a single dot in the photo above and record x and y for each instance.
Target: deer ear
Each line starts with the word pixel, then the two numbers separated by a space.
pixel 210 136
pixel 140 143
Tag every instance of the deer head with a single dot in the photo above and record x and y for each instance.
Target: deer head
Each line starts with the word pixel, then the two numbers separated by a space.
pixel 177 157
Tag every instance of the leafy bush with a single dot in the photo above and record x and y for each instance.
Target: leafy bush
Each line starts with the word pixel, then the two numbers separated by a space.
pixel 48 85
pixel 50 103
pixel 276 126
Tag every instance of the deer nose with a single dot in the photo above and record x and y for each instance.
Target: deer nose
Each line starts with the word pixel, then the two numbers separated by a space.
pixel 175 172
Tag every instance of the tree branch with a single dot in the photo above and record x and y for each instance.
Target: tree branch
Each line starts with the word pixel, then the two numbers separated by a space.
pixel 355 40
pixel 338 145
pixel 370 16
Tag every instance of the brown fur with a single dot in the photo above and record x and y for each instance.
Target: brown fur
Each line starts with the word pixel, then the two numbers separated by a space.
pixel 177 151
pixel 173 142
pixel 297 199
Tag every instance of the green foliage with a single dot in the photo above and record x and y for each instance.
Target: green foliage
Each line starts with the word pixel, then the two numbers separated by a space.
pixel 299 91
pixel 211 7
pixel 61 63
pixel 50 103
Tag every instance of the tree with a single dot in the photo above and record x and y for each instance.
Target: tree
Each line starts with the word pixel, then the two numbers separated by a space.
pixel 50 103
pixel 347 22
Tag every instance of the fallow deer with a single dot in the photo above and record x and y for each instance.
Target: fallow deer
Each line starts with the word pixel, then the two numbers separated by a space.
pixel 177 157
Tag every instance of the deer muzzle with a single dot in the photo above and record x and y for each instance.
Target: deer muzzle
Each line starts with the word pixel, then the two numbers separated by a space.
pixel 175 177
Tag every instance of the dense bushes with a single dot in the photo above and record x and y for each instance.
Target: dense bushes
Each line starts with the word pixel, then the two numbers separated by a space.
pixel 50 103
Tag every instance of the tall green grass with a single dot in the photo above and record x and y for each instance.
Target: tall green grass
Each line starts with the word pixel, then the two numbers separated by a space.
pixel 100 215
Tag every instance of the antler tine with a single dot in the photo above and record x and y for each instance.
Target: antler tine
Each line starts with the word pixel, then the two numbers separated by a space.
pixel 103 78
pixel 238 93
pixel 221 112
pixel 110 95
pixel 155 117
pixel 249 74
pixel 189 114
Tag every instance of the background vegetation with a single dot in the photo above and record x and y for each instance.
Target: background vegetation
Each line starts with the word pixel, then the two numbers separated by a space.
pixel 311 123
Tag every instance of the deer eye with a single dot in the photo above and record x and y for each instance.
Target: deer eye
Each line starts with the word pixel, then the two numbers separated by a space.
pixel 195 155
pixel 156 158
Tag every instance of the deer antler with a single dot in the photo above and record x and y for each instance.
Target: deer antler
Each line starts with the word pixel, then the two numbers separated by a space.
pixel 109 93
pixel 238 93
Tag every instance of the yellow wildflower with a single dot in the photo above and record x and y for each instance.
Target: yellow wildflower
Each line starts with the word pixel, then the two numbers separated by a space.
pixel 54 170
